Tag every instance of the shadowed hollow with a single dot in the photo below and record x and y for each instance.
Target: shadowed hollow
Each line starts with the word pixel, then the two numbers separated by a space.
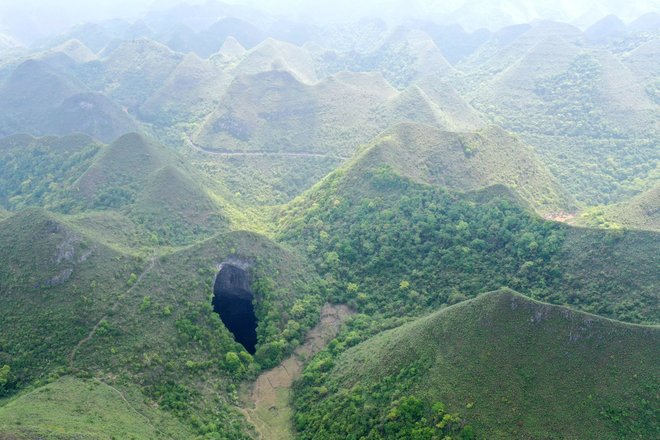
pixel 232 300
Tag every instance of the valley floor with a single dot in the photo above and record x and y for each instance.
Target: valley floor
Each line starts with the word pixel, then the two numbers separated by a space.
pixel 268 399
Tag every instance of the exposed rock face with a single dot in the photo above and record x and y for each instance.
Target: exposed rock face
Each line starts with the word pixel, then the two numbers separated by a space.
pixel 232 300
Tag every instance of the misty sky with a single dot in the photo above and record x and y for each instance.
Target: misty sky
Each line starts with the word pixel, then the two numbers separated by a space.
pixel 39 18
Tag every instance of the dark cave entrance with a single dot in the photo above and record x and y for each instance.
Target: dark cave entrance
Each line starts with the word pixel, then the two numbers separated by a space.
pixel 232 300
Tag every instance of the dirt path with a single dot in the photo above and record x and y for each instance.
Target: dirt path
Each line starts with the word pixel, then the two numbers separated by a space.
pixel 263 153
pixel 267 403
pixel 90 335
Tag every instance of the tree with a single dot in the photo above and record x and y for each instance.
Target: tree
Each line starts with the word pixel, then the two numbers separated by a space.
pixel 4 376
pixel 233 362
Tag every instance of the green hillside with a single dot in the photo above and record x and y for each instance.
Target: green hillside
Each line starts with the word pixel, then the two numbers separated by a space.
pixel 273 55
pixel 467 162
pixel 273 111
pixel 576 105
pixel 71 408
pixel 404 56
pixel 507 366
pixel 387 244
pixel 149 184
pixel 136 69
pixel 39 171
pixel 145 326
pixel 93 114
pixel 639 212
pixel 31 93
pixel 192 90
pixel 55 284
pixel 225 223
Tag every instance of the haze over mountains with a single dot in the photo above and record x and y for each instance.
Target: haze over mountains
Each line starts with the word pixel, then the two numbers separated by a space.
pixel 440 219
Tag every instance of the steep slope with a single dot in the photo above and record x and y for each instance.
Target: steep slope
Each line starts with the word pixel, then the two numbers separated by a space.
pixel 408 55
pixel 467 162
pixel 30 95
pixel 273 111
pixel 193 365
pixel 177 208
pixel 56 284
pixel 90 113
pixel 40 171
pixel 403 57
pixel 646 23
pixel 126 163
pixel 191 91
pixel 136 69
pixel 231 48
pixel 75 305
pixel 151 185
pixel 67 405
pixel 607 28
pixel 75 50
pixel 245 33
pixel 511 43
pixel 640 212
pixel 93 35
pixel 510 366
pixel 44 96
pixel 432 101
pixel 273 55
pixel 395 235
pixel 643 61
pixel 574 104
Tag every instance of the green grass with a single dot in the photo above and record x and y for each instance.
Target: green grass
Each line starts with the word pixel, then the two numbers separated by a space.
pixel 512 367
pixel 71 408
pixel 56 284
pixel 368 228
pixel 155 332
pixel 639 212
pixel 467 162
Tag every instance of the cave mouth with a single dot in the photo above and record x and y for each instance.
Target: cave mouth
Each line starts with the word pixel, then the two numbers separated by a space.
pixel 232 300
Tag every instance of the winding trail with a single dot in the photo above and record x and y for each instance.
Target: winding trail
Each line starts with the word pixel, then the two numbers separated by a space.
pixel 263 153
pixel 267 403
pixel 90 335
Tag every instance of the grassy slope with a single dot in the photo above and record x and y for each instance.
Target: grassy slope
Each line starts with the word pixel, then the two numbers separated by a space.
pixel 468 162
pixel 402 57
pixel 515 368
pixel 136 69
pixel 56 284
pixel 39 171
pixel 619 268
pixel 639 212
pixel 274 111
pixel 33 89
pixel 71 408
pixel 91 113
pixel 369 225
pixel 271 55
pixel 576 105
pixel 155 189
pixel 191 91
pixel 76 306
